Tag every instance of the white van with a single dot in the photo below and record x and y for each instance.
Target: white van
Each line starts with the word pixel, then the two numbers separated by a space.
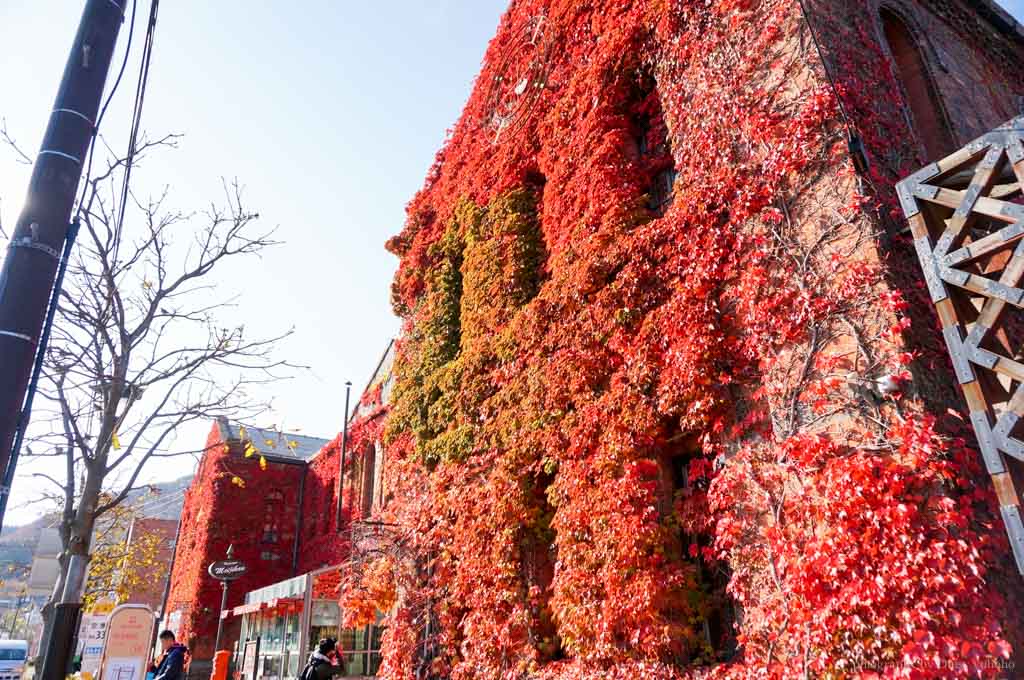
pixel 12 659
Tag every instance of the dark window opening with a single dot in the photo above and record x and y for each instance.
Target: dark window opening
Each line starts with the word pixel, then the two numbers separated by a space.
pixel 272 510
pixel 681 463
pixel 540 554
pixel 653 145
pixel 919 89
pixel 721 614
pixel 366 494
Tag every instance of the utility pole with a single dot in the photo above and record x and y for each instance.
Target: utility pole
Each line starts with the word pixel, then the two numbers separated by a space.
pixel 33 254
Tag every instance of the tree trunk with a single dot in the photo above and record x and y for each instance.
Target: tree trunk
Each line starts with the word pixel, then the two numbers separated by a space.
pixel 80 536
pixel 47 610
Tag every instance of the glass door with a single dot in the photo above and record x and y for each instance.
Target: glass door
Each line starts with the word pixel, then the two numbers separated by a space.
pixel 324 622
pixel 292 653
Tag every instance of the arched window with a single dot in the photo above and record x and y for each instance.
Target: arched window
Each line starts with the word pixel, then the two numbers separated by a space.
pixel 921 95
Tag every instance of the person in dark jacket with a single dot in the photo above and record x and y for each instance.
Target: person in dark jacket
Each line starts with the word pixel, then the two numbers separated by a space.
pixel 320 665
pixel 172 663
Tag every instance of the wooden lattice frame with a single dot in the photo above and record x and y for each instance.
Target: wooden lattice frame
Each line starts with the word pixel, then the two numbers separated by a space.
pixel 966 215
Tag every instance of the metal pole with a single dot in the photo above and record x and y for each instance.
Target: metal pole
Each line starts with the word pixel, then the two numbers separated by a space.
pixel 14 621
pixel 37 369
pixel 167 586
pixel 298 521
pixel 220 616
pixel 223 604
pixel 341 463
pixel 30 266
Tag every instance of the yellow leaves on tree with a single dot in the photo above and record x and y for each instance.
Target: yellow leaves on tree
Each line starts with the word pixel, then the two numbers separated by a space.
pixel 117 567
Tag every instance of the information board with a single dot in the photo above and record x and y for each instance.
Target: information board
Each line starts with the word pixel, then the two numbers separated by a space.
pixel 129 636
pixel 91 636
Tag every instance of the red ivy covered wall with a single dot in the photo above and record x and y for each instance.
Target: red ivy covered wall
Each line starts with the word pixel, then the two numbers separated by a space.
pixel 624 427
pixel 230 501
pixel 227 504
pixel 320 543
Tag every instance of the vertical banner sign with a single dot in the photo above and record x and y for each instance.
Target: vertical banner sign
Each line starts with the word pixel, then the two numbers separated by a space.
pixel 91 637
pixel 129 633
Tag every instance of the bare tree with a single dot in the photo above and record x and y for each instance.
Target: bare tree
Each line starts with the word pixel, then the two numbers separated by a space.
pixel 139 347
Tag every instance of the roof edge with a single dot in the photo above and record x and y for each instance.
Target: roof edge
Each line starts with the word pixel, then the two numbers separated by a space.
pixel 999 18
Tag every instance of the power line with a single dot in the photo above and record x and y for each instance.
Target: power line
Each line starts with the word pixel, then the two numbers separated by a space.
pixel 140 98
pixel 103 110
pixel 854 144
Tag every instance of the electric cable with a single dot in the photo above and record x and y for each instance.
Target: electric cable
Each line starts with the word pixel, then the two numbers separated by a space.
pixel 854 144
pixel 103 110
pixel 140 98
pixel 824 64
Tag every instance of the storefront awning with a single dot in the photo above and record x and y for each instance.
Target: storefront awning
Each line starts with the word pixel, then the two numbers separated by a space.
pixel 288 605
pixel 245 609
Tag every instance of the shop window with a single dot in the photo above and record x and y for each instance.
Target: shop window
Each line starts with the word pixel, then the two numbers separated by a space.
pixel 919 90
pixel 361 647
pixel 324 620
pixel 272 510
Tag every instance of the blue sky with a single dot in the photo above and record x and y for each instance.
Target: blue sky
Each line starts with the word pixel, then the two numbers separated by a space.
pixel 330 112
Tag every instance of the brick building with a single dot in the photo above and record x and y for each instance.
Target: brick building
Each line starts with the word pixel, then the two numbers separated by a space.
pixel 246 494
pixel 671 393
pixel 154 537
pixel 249 501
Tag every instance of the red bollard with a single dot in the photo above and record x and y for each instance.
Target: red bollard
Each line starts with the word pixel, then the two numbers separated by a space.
pixel 221 660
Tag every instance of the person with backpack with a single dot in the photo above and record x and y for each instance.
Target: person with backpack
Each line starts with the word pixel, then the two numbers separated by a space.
pixel 320 665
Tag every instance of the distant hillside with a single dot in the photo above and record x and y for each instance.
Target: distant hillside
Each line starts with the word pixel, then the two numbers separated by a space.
pixel 164 501
pixel 26 534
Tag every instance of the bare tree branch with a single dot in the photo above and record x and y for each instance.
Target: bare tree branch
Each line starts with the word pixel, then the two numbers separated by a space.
pixel 19 155
pixel 141 345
